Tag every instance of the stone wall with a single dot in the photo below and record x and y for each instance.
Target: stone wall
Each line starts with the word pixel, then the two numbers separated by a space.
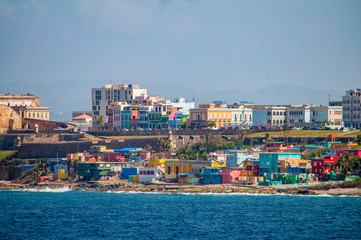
pixel 9 119
pixel 19 100
pixel 10 172
pixel 51 150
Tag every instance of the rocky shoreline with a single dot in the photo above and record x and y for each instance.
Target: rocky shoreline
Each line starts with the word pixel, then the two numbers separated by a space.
pixel 122 186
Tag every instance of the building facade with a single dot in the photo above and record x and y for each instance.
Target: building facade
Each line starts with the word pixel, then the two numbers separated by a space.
pixel 103 97
pixel 352 108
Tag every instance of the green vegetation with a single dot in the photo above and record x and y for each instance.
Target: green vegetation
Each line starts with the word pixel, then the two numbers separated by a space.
pixel 99 121
pixel 192 152
pixel 348 163
pixel 315 153
pixel 296 133
pixel 211 124
pixel 5 154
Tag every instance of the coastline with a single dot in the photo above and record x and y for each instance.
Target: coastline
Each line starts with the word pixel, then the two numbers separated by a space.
pixel 122 186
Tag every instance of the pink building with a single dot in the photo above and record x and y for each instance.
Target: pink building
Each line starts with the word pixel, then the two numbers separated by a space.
pixel 145 155
pixel 230 174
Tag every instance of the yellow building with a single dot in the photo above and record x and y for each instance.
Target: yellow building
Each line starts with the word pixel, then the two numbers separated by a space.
pixel 74 156
pixel 199 117
pixel 284 163
pixel 152 163
pixel 218 164
pixel 174 168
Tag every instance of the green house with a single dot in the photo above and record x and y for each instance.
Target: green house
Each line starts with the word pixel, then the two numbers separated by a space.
pixel 95 170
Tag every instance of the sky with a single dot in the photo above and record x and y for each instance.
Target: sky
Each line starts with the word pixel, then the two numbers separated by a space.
pixel 206 45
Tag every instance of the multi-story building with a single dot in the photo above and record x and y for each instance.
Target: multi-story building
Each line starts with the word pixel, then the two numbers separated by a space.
pixel 269 115
pixel 242 113
pixel 215 112
pixel 329 116
pixel 114 115
pixel 143 116
pixel 182 105
pixel 27 106
pixel 103 97
pixel 352 108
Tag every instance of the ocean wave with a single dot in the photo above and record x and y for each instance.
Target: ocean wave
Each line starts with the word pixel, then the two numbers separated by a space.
pixel 229 194
pixel 47 189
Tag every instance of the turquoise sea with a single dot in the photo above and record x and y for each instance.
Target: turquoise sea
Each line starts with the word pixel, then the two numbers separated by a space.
pixel 65 214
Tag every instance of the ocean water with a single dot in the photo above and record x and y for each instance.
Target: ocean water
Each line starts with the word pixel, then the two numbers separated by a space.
pixel 65 214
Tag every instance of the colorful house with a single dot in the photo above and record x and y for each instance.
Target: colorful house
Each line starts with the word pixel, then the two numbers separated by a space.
pixel 230 174
pixel 279 146
pixel 149 174
pixel 354 152
pixel 55 161
pixel 159 162
pixel 60 167
pixel 236 158
pixel 272 162
pixel 174 168
pixel 211 175
pixel 126 172
pixel 96 170
pixel 322 166
pixel 342 146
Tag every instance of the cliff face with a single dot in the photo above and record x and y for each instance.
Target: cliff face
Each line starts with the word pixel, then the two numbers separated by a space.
pixel 10 172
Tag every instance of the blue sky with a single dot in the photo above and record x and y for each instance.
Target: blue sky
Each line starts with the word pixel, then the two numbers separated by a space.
pixel 204 44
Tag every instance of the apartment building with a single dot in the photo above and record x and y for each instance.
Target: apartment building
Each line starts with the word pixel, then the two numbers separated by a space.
pixel 242 113
pixel 269 115
pixel 352 108
pixel 216 112
pixel 103 97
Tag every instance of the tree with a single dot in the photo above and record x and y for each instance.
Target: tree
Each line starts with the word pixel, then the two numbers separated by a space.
pixel 358 139
pixel 211 124
pixel 285 130
pixel 325 123
pixel 267 138
pixel 100 121
pixel 164 145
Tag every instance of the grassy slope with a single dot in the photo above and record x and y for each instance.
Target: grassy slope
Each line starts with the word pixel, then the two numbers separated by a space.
pixel 4 154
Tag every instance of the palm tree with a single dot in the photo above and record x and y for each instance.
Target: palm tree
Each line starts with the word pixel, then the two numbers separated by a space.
pixel 285 129
pixel 267 138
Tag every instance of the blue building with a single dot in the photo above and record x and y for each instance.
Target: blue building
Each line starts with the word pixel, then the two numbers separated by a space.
pixel 126 172
pixel 55 161
pixel 296 170
pixel 57 167
pixel 25 168
pixel 211 175
pixel 268 162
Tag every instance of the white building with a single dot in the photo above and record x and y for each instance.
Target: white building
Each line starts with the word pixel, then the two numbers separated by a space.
pixel 269 115
pixel 149 174
pixel 242 113
pixel 181 104
pixel 352 108
pixel 103 97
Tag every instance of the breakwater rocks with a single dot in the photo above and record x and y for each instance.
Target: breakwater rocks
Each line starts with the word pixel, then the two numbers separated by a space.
pixel 123 186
